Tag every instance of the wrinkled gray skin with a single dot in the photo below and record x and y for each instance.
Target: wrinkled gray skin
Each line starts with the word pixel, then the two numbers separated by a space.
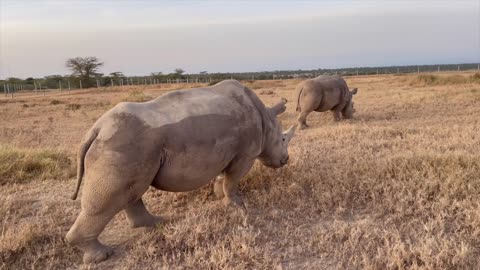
pixel 177 142
pixel 324 93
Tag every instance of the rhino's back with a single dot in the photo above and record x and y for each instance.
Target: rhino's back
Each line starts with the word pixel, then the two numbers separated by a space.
pixel 227 99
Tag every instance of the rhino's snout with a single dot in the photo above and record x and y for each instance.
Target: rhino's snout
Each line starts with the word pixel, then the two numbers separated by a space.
pixel 284 161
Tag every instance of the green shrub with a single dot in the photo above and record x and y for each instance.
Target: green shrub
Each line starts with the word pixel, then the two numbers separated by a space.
pixel 55 102
pixel 137 96
pixel 22 165
pixel 430 79
pixel 72 107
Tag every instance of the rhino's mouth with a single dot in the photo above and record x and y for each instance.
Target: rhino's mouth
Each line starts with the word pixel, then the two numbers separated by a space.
pixel 284 161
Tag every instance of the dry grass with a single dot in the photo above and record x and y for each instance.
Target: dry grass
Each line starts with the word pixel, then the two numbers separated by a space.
pixel 430 79
pixel 397 187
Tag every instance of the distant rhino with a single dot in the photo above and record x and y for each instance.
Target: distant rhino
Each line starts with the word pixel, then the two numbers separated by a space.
pixel 323 93
pixel 177 142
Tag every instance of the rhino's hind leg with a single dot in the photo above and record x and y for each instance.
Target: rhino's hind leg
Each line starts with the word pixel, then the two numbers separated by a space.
pixel 302 120
pixel 138 215
pixel 84 233
pixel 99 206
pixel 233 174
pixel 337 115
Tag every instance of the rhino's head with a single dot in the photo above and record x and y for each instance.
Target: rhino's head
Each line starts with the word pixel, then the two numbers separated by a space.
pixel 275 148
pixel 349 109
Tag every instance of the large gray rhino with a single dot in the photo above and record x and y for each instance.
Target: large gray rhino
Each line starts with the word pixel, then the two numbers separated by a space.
pixel 177 142
pixel 324 93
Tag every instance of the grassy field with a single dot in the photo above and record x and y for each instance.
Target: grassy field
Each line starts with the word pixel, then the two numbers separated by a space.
pixel 397 187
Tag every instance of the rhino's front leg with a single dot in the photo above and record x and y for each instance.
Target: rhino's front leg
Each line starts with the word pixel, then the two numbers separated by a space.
pixel 337 115
pixel 233 174
pixel 138 215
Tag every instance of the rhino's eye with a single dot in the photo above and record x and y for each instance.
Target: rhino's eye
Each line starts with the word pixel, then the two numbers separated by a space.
pixel 283 139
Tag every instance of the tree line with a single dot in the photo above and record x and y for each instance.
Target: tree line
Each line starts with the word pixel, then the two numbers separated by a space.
pixel 85 73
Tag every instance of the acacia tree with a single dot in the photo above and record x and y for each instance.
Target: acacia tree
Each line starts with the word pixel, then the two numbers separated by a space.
pixel 179 71
pixel 85 68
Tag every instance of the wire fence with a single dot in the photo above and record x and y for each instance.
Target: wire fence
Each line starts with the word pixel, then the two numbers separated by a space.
pixel 49 84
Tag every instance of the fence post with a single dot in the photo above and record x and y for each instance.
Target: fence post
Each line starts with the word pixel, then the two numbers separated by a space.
pixel 458 67
pixel 5 89
pixel 438 68
pixel 69 88
pixel 98 83
pixel 111 80
pixel 81 86
pixel 398 70
pixel 418 69
pixel 60 85
pixel 13 90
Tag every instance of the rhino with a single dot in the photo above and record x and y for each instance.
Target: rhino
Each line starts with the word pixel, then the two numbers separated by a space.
pixel 323 93
pixel 177 142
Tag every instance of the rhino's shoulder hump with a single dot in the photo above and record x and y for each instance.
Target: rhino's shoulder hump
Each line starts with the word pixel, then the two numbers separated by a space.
pixel 227 83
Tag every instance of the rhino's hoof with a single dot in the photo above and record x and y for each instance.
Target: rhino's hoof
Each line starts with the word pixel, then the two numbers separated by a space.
pixel 304 126
pixel 100 254
pixel 218 189
pixel 236 202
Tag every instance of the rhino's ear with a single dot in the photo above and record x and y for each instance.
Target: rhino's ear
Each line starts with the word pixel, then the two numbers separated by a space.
pixel 279 107
pixel 290 132
pixel 354 91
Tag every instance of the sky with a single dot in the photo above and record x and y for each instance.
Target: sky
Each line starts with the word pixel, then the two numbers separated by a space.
pixel 140 37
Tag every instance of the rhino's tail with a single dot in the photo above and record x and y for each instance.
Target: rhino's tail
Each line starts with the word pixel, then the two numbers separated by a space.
pixel 92 134
pixel 298 100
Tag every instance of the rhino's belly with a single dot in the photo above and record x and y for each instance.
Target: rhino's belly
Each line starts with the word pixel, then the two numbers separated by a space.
pixel 326 105
pixel 190 171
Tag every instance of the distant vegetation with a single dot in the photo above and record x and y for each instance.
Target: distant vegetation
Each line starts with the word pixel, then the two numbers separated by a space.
pixel 85 74
pixel 85 69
